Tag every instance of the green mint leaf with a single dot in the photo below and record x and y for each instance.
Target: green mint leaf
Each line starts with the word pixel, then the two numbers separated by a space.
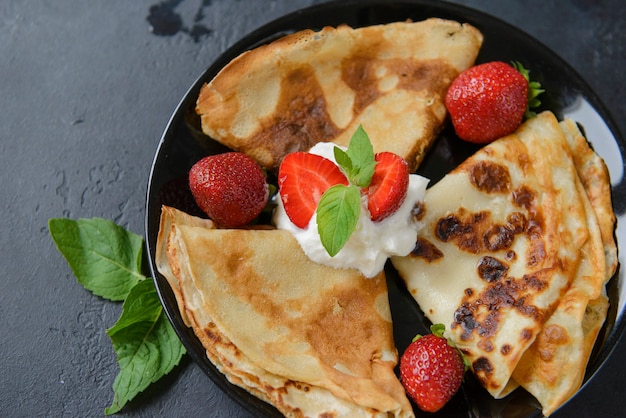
pixel 142 305
pixel 145 343
pixel 105 258
pixel 361 153
pixel 343 160
pixel 358 160
pixel 360 148
pixel 337 215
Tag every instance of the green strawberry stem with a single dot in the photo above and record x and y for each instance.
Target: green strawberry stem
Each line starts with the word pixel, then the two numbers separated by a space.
pixel 534 90
pixel 438 330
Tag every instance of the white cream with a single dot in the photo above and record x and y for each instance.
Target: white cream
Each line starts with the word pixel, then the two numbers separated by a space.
pixel 371 243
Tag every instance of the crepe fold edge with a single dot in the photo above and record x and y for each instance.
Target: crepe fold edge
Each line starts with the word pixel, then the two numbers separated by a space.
pixel 553 368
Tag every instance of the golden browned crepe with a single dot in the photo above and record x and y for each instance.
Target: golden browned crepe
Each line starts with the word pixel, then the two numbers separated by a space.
pixel 594 176
pixel 312 86
pixel 512 259
pixel 309 339
pixel 554 367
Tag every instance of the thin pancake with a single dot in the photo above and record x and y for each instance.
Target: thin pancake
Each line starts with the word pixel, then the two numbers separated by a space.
pixel 307 338
pixel 554 366
pixel 552 369
pixel 312 86
pixel 500 247
pixel 594 176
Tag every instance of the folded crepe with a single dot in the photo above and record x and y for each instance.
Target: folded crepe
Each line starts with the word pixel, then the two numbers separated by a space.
pixel 594 176
pixel 554 367
pixel 309 339
pixel 513 259
pixel 314 86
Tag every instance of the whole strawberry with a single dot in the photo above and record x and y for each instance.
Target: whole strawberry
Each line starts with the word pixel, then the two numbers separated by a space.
pixel 489 101
pixel 431 370
pixel 231 188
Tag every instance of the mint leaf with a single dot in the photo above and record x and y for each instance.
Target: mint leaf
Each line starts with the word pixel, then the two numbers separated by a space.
pixel 361 153
pixel 358 160
pixel 343 160
pixel 105 258
pixel 141 305
pixel 146 345
pixel 337 215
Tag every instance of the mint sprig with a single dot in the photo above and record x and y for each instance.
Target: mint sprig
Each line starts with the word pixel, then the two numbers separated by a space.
pixel 358 160
pixel 106 259
pixel 339 208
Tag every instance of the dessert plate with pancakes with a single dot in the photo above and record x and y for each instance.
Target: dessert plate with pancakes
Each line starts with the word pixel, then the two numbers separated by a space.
pixel 317 74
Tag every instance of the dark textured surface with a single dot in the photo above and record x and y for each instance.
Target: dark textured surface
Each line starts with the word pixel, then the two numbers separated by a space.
pixel 87 88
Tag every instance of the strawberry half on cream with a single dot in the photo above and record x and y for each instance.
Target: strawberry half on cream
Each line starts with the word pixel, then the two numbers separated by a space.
pixel 353 214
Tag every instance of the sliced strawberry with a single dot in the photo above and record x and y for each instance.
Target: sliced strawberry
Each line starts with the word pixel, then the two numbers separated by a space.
pixel 302 180
pixel 389 185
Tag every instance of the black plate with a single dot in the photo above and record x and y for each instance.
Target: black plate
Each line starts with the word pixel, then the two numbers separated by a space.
pixel 566 94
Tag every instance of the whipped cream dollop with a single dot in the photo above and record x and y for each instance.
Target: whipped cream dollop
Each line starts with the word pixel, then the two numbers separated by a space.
pixel 371 243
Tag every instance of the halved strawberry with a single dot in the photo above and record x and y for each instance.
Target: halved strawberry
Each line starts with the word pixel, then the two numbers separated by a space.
pixel 389 185
pixel 302 180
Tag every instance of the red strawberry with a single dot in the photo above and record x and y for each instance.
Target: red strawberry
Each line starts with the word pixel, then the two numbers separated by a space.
pixel 487 101
pixel 431 370
pixel 302 179
pixel 231 188
pixel 389 185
